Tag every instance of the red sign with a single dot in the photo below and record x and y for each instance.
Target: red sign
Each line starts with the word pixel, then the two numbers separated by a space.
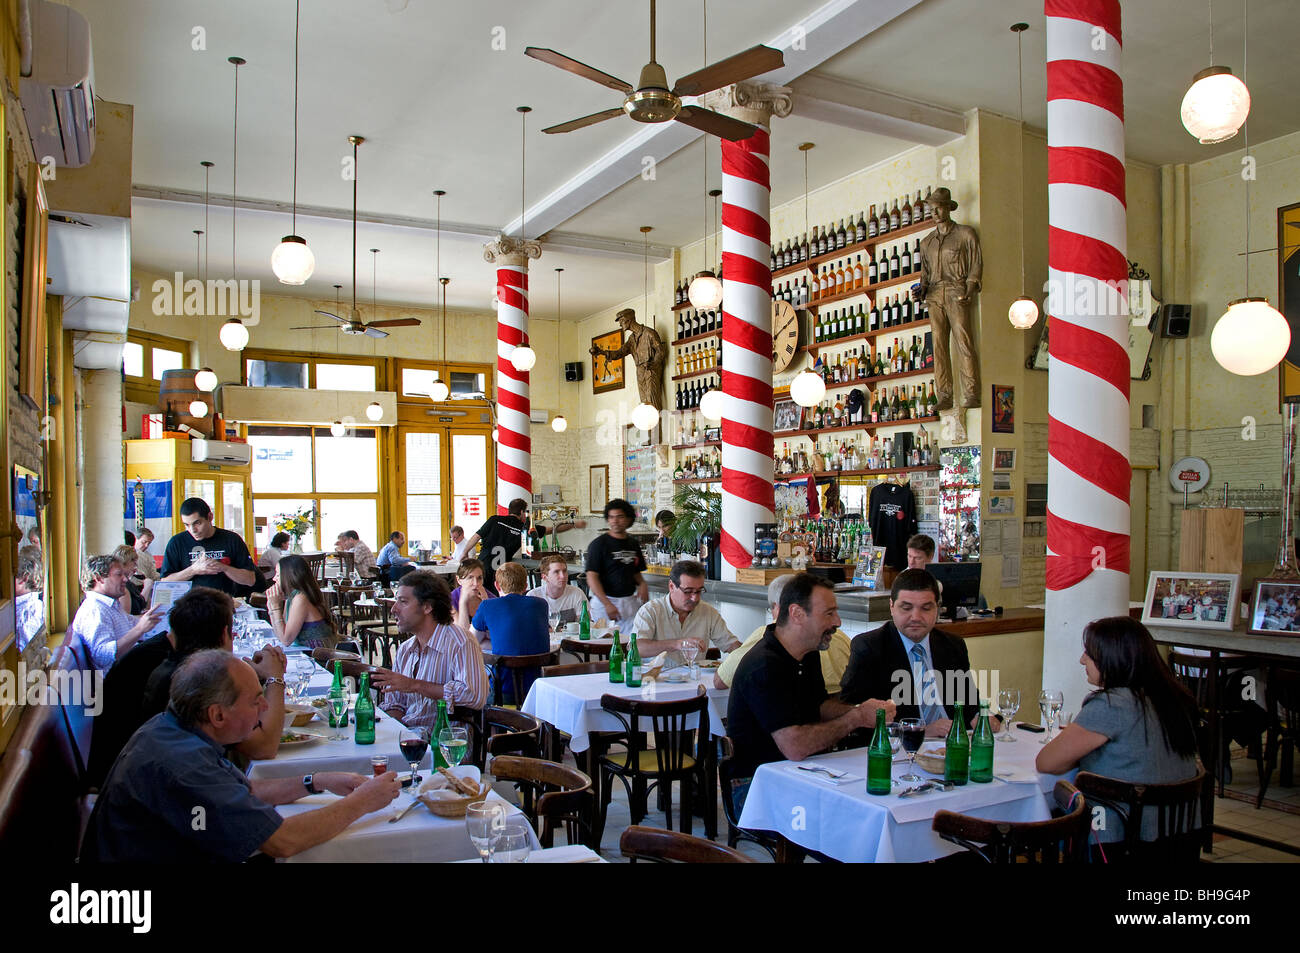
pixel 1191 476
pixel 471 506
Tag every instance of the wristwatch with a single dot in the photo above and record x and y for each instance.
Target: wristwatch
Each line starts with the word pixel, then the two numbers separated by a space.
pixel 307 783
pixel 272 680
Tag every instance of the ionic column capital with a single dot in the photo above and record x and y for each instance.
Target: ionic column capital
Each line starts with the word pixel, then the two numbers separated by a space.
pixel 751 102
pixel 512 251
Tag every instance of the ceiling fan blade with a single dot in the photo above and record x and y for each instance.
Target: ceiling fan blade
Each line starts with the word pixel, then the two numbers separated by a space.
pixel 330 314
pixel 591 120
pixel 376 333
pixel 395 323
pixel 579 69
pixel 317 327
pixel 715 124
pixel 752 62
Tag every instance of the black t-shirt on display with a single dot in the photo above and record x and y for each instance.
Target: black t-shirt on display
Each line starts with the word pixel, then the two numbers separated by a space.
pixel 893 521
pixel 223 545
pixel 771 690
pixel 617 561
pixel 500 538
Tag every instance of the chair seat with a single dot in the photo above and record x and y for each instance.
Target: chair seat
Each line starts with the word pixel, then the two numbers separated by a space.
pixel 647 761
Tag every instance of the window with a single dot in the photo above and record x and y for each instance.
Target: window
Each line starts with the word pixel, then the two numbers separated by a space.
pixel 345 377
pixel 466 381
pixel 286 369
pixel 145 357
pixel 276 374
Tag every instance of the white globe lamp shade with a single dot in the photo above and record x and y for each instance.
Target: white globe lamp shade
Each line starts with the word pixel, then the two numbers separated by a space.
pixel 1023 313
pixel 337 429
pixel 559 424
pixel 1250 338
pixel 1216 105
pixel 198 408
pixel 705 291
pixel 233 335
pixel 808 389
pixel 645 416
pixel 292 261
pixel 439 391
pixel 494 435
pixel 711 405
pixel 205 380
pixel 524 358
pixel 374 411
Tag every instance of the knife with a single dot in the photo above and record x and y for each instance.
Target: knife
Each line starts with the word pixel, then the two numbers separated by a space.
pixel 406 810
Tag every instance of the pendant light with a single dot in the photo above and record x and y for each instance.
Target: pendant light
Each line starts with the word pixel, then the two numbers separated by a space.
pixel 705 290
pixel 292 261
pixel 356 141
pixel 523 357
pixel 558 423
pixel 1216 105
pixel 206 380
pixel 807 389
pixel 207 233
pixel 373 409
pixel 1252 336
pixel 233 335
pixel 198 408
pixel 438 390
pixel 644 415
pixel 1023 313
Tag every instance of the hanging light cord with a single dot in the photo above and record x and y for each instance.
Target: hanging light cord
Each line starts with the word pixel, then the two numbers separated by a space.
pixel 355 176
pixel 1020 83
pixel 523 168
pixel 805 192
pixel 297 12
pixel 704 33
pixel 1245 129
pixel 234 179
pixel 207 175
pixel 1210 6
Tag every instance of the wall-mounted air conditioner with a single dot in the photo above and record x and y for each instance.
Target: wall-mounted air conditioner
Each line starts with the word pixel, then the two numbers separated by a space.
pixel 220 451
pixel 59 96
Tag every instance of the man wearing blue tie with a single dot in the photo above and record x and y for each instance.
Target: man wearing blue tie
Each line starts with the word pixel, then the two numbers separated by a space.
pixel 925 671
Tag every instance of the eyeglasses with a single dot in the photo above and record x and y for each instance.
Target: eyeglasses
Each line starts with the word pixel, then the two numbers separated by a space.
pixel 693 592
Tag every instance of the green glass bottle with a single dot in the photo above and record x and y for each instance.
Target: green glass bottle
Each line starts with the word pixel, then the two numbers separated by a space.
pixel 365 709
pixel 981 748
pixel 633 678
pixel 584 624
pixel 616 659
pixel 439 724
pixel 956 756
pixel 880 758
pixel 336 691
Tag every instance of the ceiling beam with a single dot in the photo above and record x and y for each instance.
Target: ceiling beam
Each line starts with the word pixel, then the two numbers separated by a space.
pixel 871 110
pixel 824 33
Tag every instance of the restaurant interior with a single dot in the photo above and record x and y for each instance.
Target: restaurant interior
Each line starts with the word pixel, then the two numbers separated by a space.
pixel 329 266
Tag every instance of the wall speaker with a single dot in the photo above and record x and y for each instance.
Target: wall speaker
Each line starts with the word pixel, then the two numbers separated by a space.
pixel 573 371
pixel 1175 320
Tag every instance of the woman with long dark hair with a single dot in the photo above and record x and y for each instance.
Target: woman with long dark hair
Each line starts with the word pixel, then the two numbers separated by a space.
pixel 1138 726
pixel 304 618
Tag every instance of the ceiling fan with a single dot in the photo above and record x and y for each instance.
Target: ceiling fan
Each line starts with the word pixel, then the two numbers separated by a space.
pixel 653 101
pixel 353 323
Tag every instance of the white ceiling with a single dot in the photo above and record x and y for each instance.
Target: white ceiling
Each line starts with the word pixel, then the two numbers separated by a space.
pixel 437 104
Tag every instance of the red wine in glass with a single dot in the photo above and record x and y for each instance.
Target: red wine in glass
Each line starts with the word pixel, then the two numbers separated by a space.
pixel 913 738
pixel 413 744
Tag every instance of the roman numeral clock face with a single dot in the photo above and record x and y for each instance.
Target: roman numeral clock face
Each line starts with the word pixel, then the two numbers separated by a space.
pixel 785 335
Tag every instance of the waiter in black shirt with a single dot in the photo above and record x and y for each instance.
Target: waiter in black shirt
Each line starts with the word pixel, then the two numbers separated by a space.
pixel 501 537
pixel 614 565
pixel 207 555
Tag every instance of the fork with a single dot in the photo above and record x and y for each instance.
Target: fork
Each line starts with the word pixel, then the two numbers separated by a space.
pixel 836 775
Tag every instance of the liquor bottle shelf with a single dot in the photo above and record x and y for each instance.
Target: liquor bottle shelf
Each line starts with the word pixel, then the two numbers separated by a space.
pixel 702 336
pixel 866 335
pixel 870 289
pixel 856 247
pixel 708 370
pixel 696 446
pixel 813 433
pixel 700 480
pixel 784 477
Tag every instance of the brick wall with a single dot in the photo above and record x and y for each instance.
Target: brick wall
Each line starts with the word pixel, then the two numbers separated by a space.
pixel 24 421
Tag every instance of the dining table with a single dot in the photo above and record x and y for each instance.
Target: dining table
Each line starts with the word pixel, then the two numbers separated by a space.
pixel 835 816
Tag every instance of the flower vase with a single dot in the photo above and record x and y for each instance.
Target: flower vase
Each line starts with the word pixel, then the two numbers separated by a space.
pixel 297 546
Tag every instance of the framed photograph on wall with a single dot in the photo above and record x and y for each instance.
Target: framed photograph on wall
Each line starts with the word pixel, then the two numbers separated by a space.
pixel 1002 481
pixel 1004 409
pixel 1288 296
pixel 1004 459
pixel 1275 607
pixel 786 416
pixel 606 373
pixel 598 486
pixel 1197 600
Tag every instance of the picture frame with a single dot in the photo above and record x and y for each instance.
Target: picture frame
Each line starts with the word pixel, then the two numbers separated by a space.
pixel 1001 504
pixel 1004 409
pixel 1004 459
pixel 598 486
pixel 1275 607
pixel 786 416
pixel 1196 600
pixel 607 375
pixel 1001 481
pixel 1288 298
pixel 31 354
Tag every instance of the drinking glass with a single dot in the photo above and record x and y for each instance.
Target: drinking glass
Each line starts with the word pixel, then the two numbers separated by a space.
pixel 895 732
pixel 1049 703
pixel 554 619
pixel 339 706
pixel 1008 705
pixel 485 821
pixel 414 742
pixel 690 652
pixel 453 743
pixel 513 843
pixel 912 735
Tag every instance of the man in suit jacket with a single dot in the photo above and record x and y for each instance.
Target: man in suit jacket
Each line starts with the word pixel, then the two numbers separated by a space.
pixel 885 662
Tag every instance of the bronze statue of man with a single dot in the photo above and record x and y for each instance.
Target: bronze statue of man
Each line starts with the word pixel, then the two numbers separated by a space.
pixel 647 349
pixel 951 267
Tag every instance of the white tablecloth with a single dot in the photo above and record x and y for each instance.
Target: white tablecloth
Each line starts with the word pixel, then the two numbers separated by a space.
pixel 846 823
pixel 572 702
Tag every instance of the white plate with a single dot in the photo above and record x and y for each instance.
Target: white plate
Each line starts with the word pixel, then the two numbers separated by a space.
pixel 675 677
pixel 312 735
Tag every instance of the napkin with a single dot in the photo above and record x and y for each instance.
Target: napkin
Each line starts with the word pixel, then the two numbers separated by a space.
pixel 840 778
pixel 1016 775
pixel 572 854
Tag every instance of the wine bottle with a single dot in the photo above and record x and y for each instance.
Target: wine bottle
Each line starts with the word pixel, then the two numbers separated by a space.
pixel 895 217
pixel 439 725
pixel 336 691
pixel 907 260
pixel 633 676
pixel 956 755
pixel 616 658
pixel 895 264
pixel 841 236
pixel 873 224
pixel 873 272
pixel 857 273
pixel 365 710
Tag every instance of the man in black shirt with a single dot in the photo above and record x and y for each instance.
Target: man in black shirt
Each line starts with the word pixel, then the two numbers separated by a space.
pixel 122 695
pixel 206 555
pixel 502 537
pixel 779 709
pixel 614 564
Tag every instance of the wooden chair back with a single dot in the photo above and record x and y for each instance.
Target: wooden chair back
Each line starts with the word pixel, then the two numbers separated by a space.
pixel 512 732
pixel 768 840
pixel 550 795
pixel 316 563
pixel 1060 840
pixel 673 740
pixel 574 668
pixel 515 671
pixel 654 844
pixel 1179 820
pixel 585 650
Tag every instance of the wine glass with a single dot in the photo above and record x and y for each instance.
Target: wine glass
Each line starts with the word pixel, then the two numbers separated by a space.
pixel 514 842
pixel 690 652
pixel 1049 703
pixel 1008 705
pixel 484 820
pixel 554 619
pixel 414 742
pixel 339 707
pixel 453 742
pixel 912 735
pixel 895 732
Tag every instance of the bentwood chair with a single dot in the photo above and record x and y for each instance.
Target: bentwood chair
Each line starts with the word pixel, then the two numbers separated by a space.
pixel 1062 840
pixel 1235 718
pixel 770 841
pixel 1284 727
pixel 551 795
pixel 515 671
pixel 585 650
pixel 654 844
pixel 316 563
pixel 512 732
pixel 1179 824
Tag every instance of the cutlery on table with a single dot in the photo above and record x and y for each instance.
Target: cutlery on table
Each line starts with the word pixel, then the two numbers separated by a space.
pixel 415 802
pixel 830 774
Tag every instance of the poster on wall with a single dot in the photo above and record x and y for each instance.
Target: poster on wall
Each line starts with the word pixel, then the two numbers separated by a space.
pixel 606 373
pixel 1004 409
pixel 1288 298
pixel 156 510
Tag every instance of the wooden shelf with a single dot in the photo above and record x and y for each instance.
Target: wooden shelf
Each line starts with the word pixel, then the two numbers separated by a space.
pixel 700 480
pixel 853 249
pixel 703 373
pixel 865 290
pixel 697 337
pixel 813 433
pixel 866 335
pixel 696 446
pixel 785 477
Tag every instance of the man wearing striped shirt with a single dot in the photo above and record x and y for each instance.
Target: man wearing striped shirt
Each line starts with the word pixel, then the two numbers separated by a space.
pixel 104 629
pixel 439 661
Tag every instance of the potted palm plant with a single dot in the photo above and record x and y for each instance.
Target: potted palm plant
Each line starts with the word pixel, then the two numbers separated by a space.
pixel 698 523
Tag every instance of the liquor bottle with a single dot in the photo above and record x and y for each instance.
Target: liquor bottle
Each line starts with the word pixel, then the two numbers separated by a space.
pixel 905 213
pixel 895 219
pixel 841 236
pixel 883 265
pixel 873 224
pixel 803 248
pixel 862 227
pixel 851 232
pixel 929 212
pixel 857 273
pixel 874 324
pixel 907 260
pixel 873 271
pixel 884 218
pixel 895 264
pixel 365 734
pixel 956 755
pixel 918 209
pixel 633 677
pixel 822 243
pixel 439 725
pixel 916 255
pixel 616 659
pixel 336 691
pixel 839 280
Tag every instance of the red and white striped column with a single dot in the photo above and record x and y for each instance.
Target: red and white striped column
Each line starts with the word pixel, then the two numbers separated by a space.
pixel 1088 473
pixel 514 443
pixel 747 445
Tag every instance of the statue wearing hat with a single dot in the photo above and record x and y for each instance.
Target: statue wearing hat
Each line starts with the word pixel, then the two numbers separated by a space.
pixel 647 349
pixel 951 267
